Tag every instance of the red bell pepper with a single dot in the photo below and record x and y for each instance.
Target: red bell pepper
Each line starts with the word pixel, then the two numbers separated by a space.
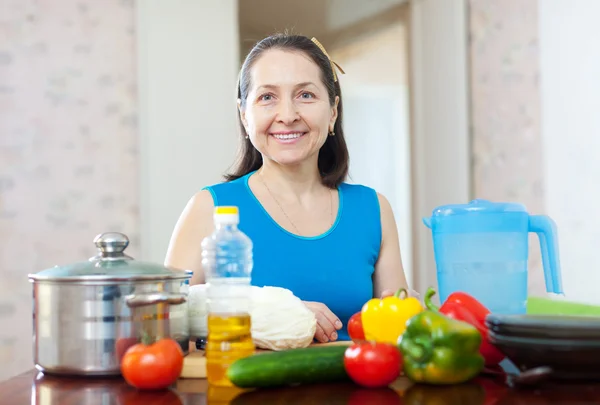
pixel 464 307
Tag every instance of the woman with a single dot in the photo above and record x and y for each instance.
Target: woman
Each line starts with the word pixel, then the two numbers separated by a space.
pixel 334 245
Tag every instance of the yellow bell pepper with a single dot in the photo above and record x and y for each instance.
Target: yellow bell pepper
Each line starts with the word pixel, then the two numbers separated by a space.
pixel 384 320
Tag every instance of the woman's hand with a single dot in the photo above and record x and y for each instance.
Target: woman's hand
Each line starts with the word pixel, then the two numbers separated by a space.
pixel 389 293
pixel 327 323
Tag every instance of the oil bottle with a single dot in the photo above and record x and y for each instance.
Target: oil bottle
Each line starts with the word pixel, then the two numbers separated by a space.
pixel 227 262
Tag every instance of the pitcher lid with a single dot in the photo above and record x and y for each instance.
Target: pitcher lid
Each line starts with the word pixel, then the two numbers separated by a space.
pixel 477 206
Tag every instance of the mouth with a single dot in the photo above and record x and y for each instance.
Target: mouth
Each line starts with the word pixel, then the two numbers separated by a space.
pixel 288 137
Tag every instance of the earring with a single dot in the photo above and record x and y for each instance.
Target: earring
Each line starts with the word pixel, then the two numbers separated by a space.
pixel 332 133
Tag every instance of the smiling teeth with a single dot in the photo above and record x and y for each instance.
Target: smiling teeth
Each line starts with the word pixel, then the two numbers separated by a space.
pixel 288 136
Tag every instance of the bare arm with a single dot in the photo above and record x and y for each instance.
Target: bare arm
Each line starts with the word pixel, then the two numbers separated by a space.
pixel 194 224
pixel 389 274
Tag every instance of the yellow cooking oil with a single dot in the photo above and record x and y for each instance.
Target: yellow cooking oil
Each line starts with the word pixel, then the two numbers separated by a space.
pixel 229 338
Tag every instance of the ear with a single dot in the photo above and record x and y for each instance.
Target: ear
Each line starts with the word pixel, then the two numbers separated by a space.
pixel 334 114
pixel 242 114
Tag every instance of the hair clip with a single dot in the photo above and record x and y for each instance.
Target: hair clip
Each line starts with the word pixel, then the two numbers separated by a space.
pixel 331 62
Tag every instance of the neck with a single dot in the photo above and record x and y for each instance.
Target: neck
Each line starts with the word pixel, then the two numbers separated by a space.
pixel 299 180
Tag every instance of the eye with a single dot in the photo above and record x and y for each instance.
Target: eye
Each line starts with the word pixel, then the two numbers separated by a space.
pixel 307 95
pixel 266 97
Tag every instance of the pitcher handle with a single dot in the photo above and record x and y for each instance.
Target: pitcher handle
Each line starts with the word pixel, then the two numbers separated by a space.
pixel 545 228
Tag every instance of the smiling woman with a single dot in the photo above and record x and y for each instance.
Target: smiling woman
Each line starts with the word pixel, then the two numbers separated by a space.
pixel 333 244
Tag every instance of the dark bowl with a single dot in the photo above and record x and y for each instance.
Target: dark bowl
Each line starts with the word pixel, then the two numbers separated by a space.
pixel 570 359
pixel 585 328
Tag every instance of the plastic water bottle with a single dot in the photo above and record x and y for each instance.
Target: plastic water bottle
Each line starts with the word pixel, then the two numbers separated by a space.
pixel 227 263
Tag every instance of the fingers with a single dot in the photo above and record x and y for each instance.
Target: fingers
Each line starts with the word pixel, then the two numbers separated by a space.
pixel 409 292
pixel 387 293
pixel 327 322
pixel 326 326
pixel 320 334
pixel 330 316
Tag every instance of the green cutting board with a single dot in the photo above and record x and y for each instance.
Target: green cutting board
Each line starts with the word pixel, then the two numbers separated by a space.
pixel 548 306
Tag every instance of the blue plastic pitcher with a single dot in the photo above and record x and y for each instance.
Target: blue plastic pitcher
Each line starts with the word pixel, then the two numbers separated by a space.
pixel 481 248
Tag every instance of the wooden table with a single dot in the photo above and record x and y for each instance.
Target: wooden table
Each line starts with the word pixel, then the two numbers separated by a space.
pixel 35 388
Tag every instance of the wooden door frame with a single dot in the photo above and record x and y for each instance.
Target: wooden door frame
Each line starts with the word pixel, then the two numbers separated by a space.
pixel 440 121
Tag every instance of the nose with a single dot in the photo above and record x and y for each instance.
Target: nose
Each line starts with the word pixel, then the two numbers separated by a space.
pixel 287 112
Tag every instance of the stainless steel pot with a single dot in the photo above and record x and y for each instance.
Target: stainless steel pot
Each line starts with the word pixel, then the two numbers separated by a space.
pixel 86 315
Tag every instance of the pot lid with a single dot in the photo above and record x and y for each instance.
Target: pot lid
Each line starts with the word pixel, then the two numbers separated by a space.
pixel 110 264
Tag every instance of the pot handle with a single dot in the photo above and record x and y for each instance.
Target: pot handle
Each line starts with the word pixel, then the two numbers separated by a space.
pixel 142 300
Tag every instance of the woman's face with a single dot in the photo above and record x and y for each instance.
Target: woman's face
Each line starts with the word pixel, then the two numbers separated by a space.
pixel 287 115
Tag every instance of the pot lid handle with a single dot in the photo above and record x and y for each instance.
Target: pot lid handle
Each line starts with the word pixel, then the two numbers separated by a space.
pixel 111 246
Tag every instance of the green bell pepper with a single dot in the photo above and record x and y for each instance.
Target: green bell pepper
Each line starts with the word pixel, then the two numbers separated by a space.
pixel 440 350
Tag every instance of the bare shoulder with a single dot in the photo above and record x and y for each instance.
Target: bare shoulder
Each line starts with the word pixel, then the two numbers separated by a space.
pixel 383 202
pixel 196 218
pixel 387 214
pixel 201 203
pixel 197 213
pixel 389 228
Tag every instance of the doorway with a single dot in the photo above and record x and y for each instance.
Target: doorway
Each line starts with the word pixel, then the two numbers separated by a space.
pixel 369 40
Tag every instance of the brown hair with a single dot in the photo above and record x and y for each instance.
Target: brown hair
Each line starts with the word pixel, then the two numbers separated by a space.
pixel 333 157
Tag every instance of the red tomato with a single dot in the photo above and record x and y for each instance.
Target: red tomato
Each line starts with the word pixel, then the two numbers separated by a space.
pixel 373 364
pixel 154 366
pixel 355 328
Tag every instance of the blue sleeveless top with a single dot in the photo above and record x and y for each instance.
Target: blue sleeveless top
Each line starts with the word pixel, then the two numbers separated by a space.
pixel 334 268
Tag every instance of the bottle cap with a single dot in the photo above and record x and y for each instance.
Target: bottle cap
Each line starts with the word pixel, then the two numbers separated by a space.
pixel 228 215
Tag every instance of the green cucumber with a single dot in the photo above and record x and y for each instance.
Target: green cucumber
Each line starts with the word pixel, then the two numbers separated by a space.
pixel 295 366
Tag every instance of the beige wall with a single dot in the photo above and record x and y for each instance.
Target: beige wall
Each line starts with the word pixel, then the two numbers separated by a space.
pixel 536 131
pixel 68 145
pixel 505 109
